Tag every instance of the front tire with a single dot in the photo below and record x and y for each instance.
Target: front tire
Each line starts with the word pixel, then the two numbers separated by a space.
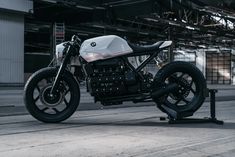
pixel 51 108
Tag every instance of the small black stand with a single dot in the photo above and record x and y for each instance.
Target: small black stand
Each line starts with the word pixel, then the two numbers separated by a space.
pixel 211 119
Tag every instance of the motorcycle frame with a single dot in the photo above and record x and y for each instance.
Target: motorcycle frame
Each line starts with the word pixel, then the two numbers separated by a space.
pixel 143 97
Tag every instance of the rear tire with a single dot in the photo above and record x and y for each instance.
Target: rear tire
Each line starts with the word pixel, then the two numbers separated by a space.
pixel 51 109
pixel 191 93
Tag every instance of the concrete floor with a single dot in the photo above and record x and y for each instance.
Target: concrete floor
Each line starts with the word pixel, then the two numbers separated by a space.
pixel 132 131
pixel 11 100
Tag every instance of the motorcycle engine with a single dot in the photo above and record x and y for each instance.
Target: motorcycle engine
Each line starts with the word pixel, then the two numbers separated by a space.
pixel 112 78
pixel 107 78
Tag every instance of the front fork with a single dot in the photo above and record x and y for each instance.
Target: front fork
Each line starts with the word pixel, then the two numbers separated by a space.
pixel 61 71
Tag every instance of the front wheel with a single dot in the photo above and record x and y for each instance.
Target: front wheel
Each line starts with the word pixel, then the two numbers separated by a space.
pixel 47 107
pixel 190 93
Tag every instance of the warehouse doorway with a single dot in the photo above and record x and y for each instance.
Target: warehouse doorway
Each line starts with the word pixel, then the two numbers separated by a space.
pixel 218 67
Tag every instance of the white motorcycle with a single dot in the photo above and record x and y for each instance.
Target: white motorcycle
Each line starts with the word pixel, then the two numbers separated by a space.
pixel 52 94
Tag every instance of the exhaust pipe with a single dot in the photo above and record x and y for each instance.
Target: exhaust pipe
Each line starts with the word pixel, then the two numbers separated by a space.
pixel 163 91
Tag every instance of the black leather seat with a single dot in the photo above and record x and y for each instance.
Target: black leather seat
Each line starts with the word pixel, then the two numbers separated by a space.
pixel 145 48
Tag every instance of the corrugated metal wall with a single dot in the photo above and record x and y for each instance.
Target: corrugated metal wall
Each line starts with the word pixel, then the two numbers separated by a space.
pixel 17 5
pixel 11 48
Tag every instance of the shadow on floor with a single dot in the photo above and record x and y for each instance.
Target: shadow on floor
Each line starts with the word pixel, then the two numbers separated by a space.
pixel 150 122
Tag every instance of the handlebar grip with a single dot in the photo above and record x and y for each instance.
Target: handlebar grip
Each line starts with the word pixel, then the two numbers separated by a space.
pixel 76 38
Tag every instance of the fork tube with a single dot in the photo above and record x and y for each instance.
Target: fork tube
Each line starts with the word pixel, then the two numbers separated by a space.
pixel 60 72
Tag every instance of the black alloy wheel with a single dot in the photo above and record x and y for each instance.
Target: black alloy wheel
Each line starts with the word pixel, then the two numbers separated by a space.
pixel 48 107
pixel 190 93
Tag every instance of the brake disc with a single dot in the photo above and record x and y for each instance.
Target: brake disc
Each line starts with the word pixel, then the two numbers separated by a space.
pixel 183 91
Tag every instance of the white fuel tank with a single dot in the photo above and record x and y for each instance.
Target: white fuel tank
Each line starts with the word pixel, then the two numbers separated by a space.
pixel 104 47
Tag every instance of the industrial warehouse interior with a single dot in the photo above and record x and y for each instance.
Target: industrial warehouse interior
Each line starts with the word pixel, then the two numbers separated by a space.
pixel 109 78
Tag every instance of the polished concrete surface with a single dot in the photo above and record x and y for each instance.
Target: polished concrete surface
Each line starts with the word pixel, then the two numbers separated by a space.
pixel 130 131
pixel 11 99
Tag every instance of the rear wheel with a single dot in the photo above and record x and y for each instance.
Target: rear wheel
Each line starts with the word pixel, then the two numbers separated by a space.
pixel 47 107
pixel 190 93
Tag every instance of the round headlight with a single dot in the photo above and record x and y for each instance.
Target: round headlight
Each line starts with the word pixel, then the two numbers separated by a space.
pixel 59 52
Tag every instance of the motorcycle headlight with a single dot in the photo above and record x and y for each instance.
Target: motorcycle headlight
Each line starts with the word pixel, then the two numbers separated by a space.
pixel 59 52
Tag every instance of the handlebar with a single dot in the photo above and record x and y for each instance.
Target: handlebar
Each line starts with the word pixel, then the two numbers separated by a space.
pixel 75 38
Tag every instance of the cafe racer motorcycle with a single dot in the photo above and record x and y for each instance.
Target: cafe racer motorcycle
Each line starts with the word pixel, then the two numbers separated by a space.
pixel 52 94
